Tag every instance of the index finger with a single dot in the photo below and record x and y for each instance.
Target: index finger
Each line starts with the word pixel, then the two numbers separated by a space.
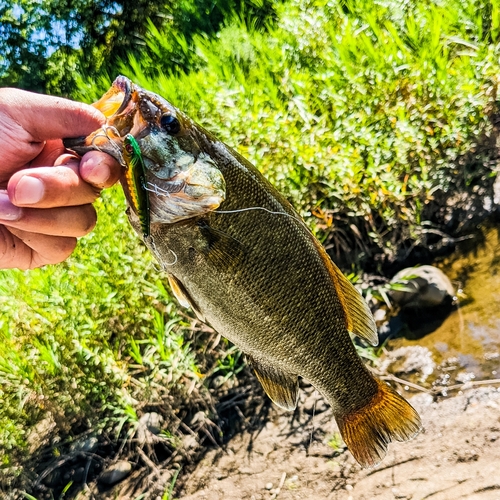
pixel 47 117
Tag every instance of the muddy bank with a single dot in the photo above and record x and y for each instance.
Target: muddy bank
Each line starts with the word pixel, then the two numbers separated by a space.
pixel 298 457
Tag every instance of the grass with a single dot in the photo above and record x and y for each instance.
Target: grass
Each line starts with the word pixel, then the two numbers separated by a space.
pixel 360 112
pixel 95 336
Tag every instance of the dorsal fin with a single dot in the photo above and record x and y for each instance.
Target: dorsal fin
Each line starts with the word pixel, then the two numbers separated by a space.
pixel 358 315
pixel 182 295
pixel 359 318
pixel 282 388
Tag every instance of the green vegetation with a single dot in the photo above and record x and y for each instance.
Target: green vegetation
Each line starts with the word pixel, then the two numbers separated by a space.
pixel 43 45
pixel 88 343
pixel 363 113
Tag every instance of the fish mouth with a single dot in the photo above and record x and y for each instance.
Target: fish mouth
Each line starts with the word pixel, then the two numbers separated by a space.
pixel 179 184
pixel 121 105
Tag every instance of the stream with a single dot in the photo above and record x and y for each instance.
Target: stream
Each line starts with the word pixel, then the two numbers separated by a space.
pixel 465 343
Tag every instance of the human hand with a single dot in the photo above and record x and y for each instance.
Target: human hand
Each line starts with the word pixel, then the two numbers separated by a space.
pixel 46 194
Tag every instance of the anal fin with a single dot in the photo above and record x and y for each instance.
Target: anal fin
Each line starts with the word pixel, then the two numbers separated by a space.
pixel 282 388
pixel 182 295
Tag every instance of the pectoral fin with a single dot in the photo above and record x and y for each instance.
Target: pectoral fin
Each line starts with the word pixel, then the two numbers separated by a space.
pixel 182 295
pixel 282 388
pixel 222 250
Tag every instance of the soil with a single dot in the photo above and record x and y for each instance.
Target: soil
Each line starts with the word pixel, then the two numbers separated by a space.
pixel 456 456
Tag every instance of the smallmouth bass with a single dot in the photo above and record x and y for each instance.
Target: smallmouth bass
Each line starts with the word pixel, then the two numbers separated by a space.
pixel 247 265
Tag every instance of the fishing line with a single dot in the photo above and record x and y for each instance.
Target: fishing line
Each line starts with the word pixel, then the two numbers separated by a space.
pixel 240 210
pixel 158 191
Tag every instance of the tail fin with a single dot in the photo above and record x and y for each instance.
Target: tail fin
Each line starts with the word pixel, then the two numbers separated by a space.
pixel 368 431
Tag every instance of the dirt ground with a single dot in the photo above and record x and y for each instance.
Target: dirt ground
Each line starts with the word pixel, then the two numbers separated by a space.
pixel 456 457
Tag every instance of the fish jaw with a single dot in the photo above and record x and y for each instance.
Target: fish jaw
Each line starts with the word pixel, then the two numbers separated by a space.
pixel 190 193
pixel 118 106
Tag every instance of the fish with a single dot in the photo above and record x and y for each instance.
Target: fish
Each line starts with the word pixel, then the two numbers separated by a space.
pixel 135 182
pixel 241 257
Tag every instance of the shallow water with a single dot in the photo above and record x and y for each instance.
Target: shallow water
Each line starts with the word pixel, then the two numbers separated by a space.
pixel 467 343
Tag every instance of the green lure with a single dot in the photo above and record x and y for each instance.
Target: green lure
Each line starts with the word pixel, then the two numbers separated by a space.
pixel 135 177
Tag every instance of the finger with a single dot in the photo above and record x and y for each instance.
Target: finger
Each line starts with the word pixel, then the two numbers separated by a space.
pixel 49 154
pixel 49 117
pixel 67 221
pixel 100 169
pixel 47 187
pixel 24 250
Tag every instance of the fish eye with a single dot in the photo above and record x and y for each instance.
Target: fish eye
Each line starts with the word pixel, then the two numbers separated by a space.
pixel 129 148
pixel 170 123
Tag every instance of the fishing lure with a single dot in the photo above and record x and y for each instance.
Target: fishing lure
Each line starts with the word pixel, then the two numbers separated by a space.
pixel 135 177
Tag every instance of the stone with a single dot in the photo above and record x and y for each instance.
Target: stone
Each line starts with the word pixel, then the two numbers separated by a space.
pixel 88 445
pixel 149 424
pixel 421 287
pixel 116 472
pixel 409 359
pixel 41 433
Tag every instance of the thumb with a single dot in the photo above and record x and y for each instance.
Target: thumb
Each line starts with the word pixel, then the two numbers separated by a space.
pixel 46 117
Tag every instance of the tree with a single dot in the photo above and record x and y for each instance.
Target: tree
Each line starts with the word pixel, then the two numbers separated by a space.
pixel 42 44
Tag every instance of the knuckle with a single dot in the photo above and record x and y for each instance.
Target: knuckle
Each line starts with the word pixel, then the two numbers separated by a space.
pixel 8 248
pixel 61 249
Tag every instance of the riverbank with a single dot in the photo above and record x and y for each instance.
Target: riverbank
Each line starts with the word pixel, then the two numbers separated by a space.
pixel 456 456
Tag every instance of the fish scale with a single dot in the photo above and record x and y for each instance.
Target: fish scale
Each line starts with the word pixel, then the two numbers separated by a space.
pixel 260 279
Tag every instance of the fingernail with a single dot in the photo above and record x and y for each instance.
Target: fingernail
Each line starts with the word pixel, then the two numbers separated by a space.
pixel 97 171
pixel 8 211
pixel 29 190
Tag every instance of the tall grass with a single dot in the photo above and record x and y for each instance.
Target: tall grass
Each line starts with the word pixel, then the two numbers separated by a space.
pixel 89 338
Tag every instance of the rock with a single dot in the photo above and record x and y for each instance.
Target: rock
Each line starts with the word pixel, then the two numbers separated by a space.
pixel 409 359
pixel 198 418
pixel 496 190
pixel 423 286
pixel 116 473
pixel 41 433
pixel 88 444
pixel 190 442
pixel 149 424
